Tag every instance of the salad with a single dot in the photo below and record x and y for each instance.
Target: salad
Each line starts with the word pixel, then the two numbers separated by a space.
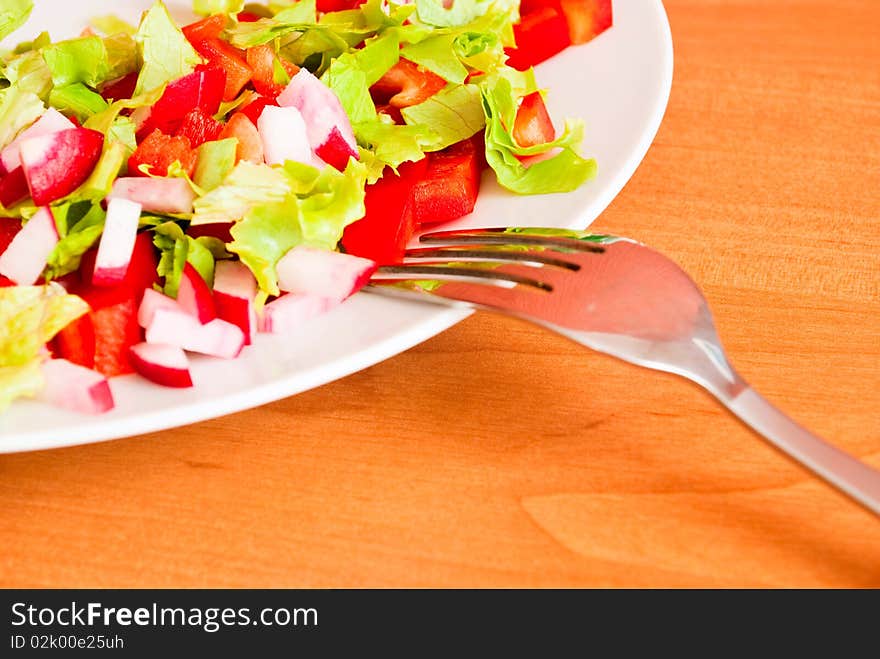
pixel 167 190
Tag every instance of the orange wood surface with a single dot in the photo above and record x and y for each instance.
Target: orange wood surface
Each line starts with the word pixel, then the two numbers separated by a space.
pixel 497 454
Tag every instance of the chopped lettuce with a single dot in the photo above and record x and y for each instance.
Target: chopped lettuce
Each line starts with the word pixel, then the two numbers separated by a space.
pixel 77 60
pixel 246 186
pixel 462 12
pixel 30 73
pixel 78 100
pixel 30 316
pixel 18 110
pixel 296 18
pixel 13 14
pixel 562 172
pixel 394 145
pixel 216 160
pixel 165 52
pixel 454 114
pixel 206 7
pixel 82 234
pixel 177 250
pixel 122 55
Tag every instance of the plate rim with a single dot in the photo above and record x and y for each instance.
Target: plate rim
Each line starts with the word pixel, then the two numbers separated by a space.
pixel 393 345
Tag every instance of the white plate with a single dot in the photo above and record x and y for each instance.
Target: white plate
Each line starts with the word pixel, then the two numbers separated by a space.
pixel 619 83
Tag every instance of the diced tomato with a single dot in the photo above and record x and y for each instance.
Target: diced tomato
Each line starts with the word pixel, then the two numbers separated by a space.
pixel 224 56
pixel 210 27
pixel 587 18
pixel 199 128
pixel 533 125
pixel 539 35
pixel 250 145
pixel 406 84
pixel 159 151
pixel 327 6
pixel 101 339
pixel 389 223
pixel 262 61
pixel 255 108
pixel 14 188
pixel 120 89
pixel 203 89
pixel 9 227
pixel 450 184
pixel 248 17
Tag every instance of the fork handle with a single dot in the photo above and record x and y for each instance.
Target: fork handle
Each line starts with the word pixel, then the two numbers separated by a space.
pixel 845 472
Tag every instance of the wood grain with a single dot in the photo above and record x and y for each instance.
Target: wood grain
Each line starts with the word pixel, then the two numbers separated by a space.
pixel 499 455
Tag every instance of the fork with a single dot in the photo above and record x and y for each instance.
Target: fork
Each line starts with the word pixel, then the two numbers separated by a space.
pixel 618 297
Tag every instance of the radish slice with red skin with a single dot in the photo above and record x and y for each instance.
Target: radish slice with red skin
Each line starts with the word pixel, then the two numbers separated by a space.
pixel 156 195
pixel 55 165
pixel 235 290
pixel 178 328
pixel 310 271
pixel 152 301
pixel 75 388
pixel 25 259
pixel 117 242
pixel 162 364
pixel 284 135
pixel 321 110
pixel 194 295
pixel 290 311
pixel 52 121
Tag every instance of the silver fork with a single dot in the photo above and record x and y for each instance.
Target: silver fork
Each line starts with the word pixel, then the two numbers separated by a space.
pixel 618 297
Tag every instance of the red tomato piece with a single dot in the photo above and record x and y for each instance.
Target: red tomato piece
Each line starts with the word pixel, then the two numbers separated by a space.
pixel 450 184
pixel 224 56
pixel 539 35
pixel 533 125
pixel 262 61
pixel 389 222
pixel 199 128
pixel 406 84
pixel 159 151
pixel 210 27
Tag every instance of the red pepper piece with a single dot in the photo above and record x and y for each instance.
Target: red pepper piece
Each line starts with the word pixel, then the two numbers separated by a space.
pixel 210 27
pixel 203 89
pixel 224 56
pixel 9 227
pixel 586 18
pixel 255 108
pixel 248 17
pixel 406 84
pixel 540 34
pixel 389 223
pixel 262 61
pixel 120 89
pixel 450 185
pixel 338 5
pixel 160 151
pixel 533 125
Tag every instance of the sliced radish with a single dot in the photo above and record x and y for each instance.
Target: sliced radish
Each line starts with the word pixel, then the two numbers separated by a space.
pixel 162 364
pixel 179 328
pixel 319 272
pixel 25 258
pixel 75 388
pixel 323 113
pixel 156 195
pixel 152 301
pixel 52 121
pixel 194 295
pixel 290 311
pixel 284 136
pixel 235 289
pixel 117 242
pixel 14 188
pixel 55 165
pixel 336 151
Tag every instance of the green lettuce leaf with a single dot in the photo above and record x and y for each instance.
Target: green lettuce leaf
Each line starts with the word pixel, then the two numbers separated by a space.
pixel 77 60
pixel 165 52
pixel 351 75
pixel 18 110
pixel 246 186
pixel 563 172
pixel 30 73
pixel 335 200
pixel 394 145
pixel 437 54
pixel 30 316
pixel 462 12
pixel 267 232
pixel 13 14
pixel 77 99
pixel 75 241
pixel 177 249
pixel 296 18
pixel 454 114
pixel 207 7
pixel 122 55
pixel 216 161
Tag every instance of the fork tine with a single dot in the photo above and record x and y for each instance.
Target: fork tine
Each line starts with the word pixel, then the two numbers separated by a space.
pixel 496 255
pixel 578 241
pixel 452 271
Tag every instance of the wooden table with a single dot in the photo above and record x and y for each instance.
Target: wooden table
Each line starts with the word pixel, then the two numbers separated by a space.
pixel 499 455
